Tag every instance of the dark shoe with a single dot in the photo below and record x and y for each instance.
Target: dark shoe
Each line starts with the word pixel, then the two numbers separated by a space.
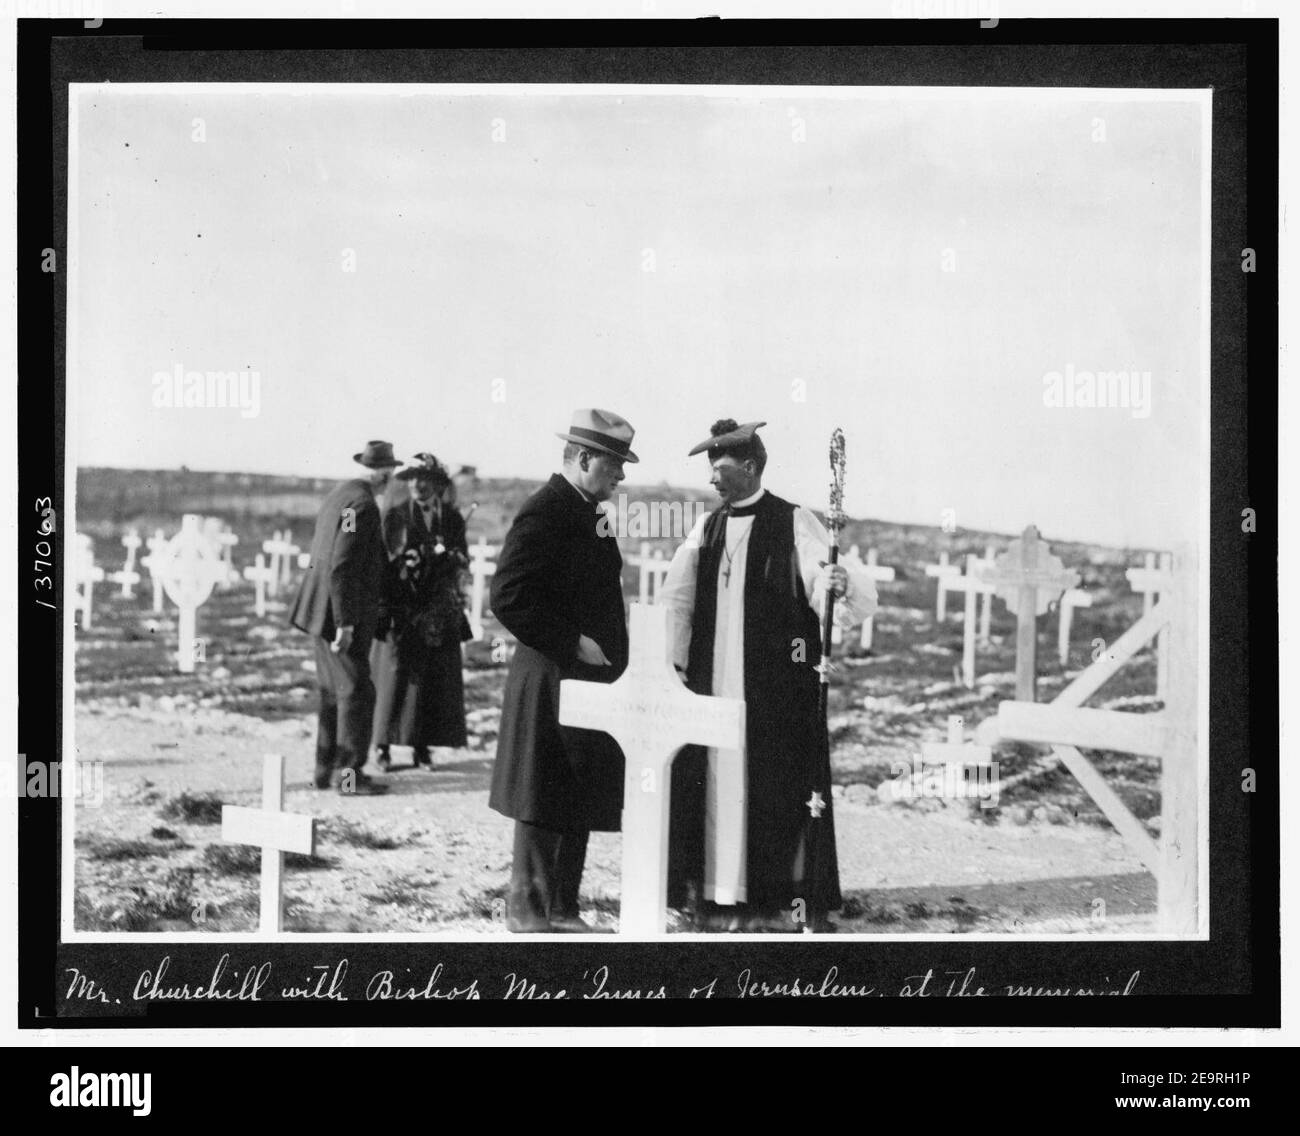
pixel 322 778
pixel 361 785
pixel 571 925
pixel 382 760
pixel 530 925
pixel 420 756
pixel 820 924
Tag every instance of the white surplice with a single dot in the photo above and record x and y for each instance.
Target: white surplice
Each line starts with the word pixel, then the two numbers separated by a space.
pixel 724 832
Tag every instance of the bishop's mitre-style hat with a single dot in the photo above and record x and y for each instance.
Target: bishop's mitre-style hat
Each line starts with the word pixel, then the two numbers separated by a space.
pixel 602 430
pixel 727 434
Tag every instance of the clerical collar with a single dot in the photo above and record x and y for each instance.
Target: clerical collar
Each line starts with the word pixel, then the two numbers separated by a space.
pixel 746 508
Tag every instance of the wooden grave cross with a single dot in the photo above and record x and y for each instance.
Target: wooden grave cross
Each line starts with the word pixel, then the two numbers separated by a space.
pixel 190 569
pixel 261 574
pixel 652 569
pixel 88 574
pixel 150 560
pixel 874 571
pixel 1070 599
pixel 943 572
pixel 958 755
pixel 127 576
pixel 986 600
pixel 974 584
pixel 226 541
pixel 1027 578
pixel 481 567
pixel 652 715
pixel 1152 582
pixel 279 548
pixel 275 832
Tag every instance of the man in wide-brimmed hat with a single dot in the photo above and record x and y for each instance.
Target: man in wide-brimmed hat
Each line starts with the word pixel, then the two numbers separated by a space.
pixel 558 590
pixel 419 684
pixel 746 590
pixel 338 606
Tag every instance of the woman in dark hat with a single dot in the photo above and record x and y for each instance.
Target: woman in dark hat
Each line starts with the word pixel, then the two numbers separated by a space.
pixel 419 685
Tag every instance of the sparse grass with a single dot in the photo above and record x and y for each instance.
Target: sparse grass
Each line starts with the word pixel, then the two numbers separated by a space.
pixel 112 848
pixel 142 906
pixel 194 808
pixel 341 830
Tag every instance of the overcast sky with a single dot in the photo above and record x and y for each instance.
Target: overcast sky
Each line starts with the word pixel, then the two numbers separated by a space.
pixel 906 267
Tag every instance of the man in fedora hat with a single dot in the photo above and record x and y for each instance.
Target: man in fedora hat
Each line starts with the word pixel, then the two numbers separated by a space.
pixel 558 590
pixel 746 590
pixel 338 606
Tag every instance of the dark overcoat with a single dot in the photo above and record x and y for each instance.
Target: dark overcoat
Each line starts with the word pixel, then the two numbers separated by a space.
pixel 559 576
pixel 343 582
pixel 419 688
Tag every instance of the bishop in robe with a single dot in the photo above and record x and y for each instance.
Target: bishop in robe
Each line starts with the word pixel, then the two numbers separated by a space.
pixel 746 590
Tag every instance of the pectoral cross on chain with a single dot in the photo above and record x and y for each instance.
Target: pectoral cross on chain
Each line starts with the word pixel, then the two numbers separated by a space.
pixel 816 805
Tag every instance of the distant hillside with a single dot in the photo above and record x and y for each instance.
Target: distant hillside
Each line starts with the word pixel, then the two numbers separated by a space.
pixel 109 501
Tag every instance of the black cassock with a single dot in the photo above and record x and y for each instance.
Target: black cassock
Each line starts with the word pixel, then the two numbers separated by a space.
pixel 790 852
pixel 419 683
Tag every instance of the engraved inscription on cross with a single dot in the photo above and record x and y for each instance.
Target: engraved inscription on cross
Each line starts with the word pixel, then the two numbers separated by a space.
pixel 1028 578
pixel 652 715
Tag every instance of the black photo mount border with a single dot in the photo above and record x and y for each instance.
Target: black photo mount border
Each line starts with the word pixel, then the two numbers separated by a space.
pixel 1231 980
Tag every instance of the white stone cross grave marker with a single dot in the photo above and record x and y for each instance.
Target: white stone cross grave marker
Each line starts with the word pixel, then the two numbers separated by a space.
pixel 652 569
pixel 1027 578
pixel 1070 599
pixel 190 569
pixel 652 715
pixel 943 572
pixel 127 576
pixel 275 832
pixel 87 576
pixel 261 574
pixel 1152 582
pixel 481 566
pixel 156 544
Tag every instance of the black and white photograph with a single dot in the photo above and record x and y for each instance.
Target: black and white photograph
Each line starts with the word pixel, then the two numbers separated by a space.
pixel 558 515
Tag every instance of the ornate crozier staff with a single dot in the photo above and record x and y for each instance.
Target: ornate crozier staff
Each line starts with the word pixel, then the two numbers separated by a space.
pixel 834 522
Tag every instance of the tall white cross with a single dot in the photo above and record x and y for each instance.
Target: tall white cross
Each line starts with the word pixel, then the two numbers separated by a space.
pixel 986 600
pixel 227 540
pixel 481 567
pixel 652 715
pixel 127 576
pixel 973 584
pixel 156 544
pixel 1070 599
pixel 1152 582
pixel 1027 578
pixel 943 572
pixel 86 577
pixel 875 572
pixel 279 548
pixel 261 574
pixel 275 832
pixel 190 569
